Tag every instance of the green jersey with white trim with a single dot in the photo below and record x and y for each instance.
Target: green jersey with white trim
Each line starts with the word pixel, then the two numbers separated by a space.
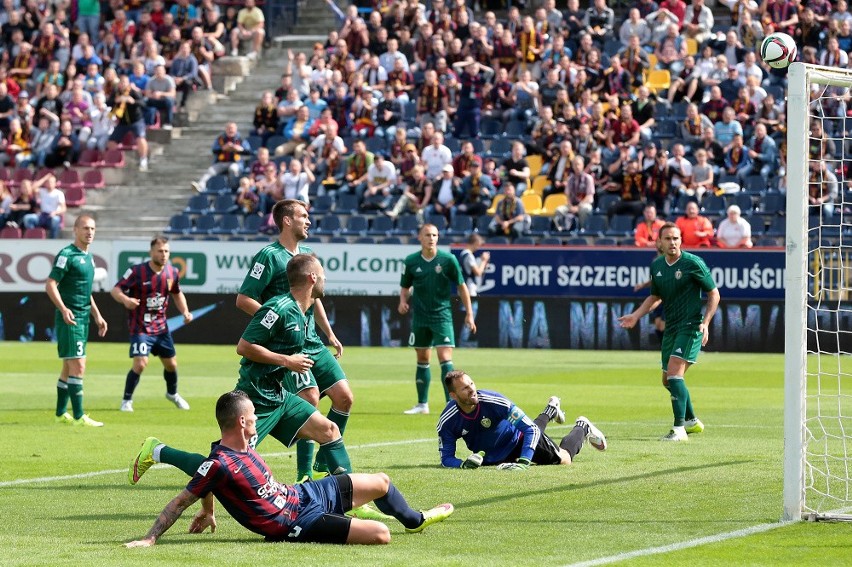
pixel 280 326
pixel 679 285
pixel 267 278
pixel 432 285
pixel 74 272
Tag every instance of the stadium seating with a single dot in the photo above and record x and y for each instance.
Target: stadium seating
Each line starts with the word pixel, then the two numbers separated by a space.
pixel 217 184
pixel 491 129
pixel 577 241
pixel 204 225
pixel 93 179
pixel 605 201
pixel 532 203
pixel 462 225
pixel 329 225
pixel 223 204
pixel 524 241
pixel 621 225
pixel 658 80
pixel 482 223
pixel 540 225
pixel 179 224
pixel 551 241
pixel 346 203
pixel 10 232
pixel 500 148
pixel 595 226
pixel 713 205
pixel 197 205
pixel 75 196
pixel 406 225
pixel 356 225
pixel 777 227
pixel 772 203
pixel 381 225
pixel 365 240
pixel 69 178
pixel 228 224
pixel 35 233
pixel 440 222
pixel 552 202
pixel 498 240
pixel 90 158
pixel 391 240
pixel 114 158
pixel 252 224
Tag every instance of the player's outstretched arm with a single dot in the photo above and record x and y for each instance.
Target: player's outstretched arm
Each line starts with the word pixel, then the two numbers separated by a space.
pixel 204 517
pixel 629 321
pixel 128 302
pixel 166 519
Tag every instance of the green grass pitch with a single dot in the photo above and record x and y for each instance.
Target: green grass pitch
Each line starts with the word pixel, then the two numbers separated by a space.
pixel 638 495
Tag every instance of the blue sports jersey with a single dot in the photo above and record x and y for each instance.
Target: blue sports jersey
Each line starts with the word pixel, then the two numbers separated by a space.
pixel 497 426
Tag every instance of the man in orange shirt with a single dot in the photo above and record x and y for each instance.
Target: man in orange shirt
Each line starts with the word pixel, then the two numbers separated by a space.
pixel 695 230
pixel 648 230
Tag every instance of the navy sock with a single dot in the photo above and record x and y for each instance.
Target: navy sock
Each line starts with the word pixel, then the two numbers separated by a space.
pixel 171 381
pixel 130 384
pixel 393 503
pixel 573 442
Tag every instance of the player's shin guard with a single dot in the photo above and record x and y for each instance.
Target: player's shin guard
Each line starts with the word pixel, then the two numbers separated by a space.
pixel 573 442
pixel 61 397
pixel 446 368
pixel 680 395
pixel 187 462
pixel 422 379
pixel 170 376
pixel 130 383
pixel 304 458
pixel 75 392
pixel 335 456
pixel 393 503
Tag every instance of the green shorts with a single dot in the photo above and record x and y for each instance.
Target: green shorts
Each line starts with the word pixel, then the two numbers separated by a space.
pixel 326 370
pixel 432 335
pixel 71 339
pixel 683 343
pixel 279 413
pixel 295 382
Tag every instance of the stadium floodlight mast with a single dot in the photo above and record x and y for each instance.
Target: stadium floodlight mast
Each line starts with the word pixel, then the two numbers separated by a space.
pixel 818 301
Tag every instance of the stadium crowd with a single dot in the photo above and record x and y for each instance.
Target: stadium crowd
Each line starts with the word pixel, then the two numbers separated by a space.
pixel 550 120
pixel 82 80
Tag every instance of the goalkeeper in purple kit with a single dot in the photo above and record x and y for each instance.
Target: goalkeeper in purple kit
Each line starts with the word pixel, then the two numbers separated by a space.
pixel 499 433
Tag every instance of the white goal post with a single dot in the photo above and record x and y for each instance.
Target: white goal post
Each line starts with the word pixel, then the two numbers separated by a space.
pixel 818 297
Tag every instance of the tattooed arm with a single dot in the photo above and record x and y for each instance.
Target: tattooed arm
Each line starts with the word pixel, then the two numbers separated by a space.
pixel 166 519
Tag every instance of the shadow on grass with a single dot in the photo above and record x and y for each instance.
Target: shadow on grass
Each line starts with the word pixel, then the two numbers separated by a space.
pixel 597 483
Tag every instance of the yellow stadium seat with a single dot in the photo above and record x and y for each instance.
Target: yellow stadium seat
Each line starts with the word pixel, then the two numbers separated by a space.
pixel 691 46
pixel 552 202
pixel 652 61
pixel 532 203
pixel 494 203
pixel 539 183
pixel 658 80
pixel 535 162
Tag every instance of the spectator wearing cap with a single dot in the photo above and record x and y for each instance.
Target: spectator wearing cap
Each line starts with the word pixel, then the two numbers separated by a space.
pixel 446 190
pixel 161 94
pixel 435 156
pixel 510 219
pixel 476 191
pixel 416 195
pixel 381 182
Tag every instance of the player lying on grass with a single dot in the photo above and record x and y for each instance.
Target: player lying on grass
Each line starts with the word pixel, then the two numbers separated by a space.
pixel 312 512
pixel 500 433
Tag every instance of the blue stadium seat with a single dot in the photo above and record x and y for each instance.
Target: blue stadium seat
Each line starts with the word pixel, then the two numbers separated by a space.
pixel 391 240
pixel 621 225
pixel 406 225
pixel 453 144
pixel 744 202
pixel 497 240
pixel 440 222
pixel 482 223
pixel 217 184
pixel 606 241
pixel 478 146
pixel 577 241
pixel 516 129
pixel 204 225
pixel 665 129
pixel 500 148
pixel 338 240
pixel 356 225
pixel 254 143
pixel 491 128
pixel 713 205
pixel 540 226
pixel 678 111
pixel 274 141
pixel 682 201
pixel 179 224
pixel 778 227
pixel 524 241
pixel 605 201
pixel 376 144
pixel 757 222
pixel 346 203
pixel 772 203
pixel 754 184
pixel 197 205
pixel 252 224
pixel 553 241
pixel 329 225
pixel 595 226
pixel 381 226
pixel 223 204
pixel 365 240
pixel 322 204
pixel 462 225
pixel 228 224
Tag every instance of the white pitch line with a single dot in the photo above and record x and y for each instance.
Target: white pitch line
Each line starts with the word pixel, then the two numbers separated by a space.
pixel 680 545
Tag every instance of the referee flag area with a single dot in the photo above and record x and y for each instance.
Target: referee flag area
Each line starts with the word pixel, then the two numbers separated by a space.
pixel 715 500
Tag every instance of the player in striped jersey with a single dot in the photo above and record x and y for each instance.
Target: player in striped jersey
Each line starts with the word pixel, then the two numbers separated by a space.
pixel 313 512
pixel 267 278
pixel 425 288
pixel 144 290
pixel 678 278
pixel 69 287
pixel 499 433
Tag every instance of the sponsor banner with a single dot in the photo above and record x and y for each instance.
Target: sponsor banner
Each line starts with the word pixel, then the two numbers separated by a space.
pixel 26 263
pixel 590 272
pixel 220 267
pixel 503 322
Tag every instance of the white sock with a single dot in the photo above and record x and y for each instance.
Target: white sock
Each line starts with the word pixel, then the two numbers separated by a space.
pixel 155 454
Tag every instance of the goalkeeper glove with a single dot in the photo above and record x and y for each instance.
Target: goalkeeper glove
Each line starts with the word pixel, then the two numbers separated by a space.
pixel 474 461
pixel 521 464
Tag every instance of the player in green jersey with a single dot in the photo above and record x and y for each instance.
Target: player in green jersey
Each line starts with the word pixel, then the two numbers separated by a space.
pixel 678 278
pixel 69 287
pixel 267 278
pixel 426 285
pixel 271 347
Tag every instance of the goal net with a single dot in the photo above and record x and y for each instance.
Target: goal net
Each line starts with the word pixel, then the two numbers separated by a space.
pixel 818 303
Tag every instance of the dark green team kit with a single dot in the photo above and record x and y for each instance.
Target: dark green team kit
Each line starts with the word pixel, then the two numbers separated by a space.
pixel 267 278
pixel 432 282
pixel 73 271
pixel 680 285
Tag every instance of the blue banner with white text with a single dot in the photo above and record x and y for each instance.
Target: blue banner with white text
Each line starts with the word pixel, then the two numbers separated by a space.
pixel 610 272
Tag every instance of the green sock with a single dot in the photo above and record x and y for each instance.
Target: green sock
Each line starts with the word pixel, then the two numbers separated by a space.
pixel 680 394
pixel 690 413
pixel 187 462
pixel 334 453
pixel 75 392
pixel 422 379
pixel 339 418
pixel 304 458
pixel 446 368
pixel 61 397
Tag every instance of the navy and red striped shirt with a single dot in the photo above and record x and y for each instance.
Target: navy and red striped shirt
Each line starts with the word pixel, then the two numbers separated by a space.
pixel 243 483
pixel 152 289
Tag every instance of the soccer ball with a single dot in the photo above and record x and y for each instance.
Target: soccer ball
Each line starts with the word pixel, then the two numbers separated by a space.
pixel 778 50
